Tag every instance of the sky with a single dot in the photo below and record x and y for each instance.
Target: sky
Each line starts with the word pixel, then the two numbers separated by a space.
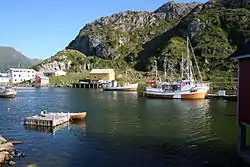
pixel 41 28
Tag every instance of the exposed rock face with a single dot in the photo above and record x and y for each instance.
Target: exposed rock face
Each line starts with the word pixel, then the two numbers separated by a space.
pixel 105 36
pixel 176 9
pixel 66 60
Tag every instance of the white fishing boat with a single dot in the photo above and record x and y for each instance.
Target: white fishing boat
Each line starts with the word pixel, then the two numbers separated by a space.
pixel 125 87
pixel 7 92
pixel 185 88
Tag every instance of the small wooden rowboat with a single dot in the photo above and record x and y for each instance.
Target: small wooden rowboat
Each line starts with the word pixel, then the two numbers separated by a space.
pixel 81 115
pixel 72 116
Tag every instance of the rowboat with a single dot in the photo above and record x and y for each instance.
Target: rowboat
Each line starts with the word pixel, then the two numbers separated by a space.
pixel 72 116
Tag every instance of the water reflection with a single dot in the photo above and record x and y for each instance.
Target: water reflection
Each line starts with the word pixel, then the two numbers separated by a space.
pixel 78 123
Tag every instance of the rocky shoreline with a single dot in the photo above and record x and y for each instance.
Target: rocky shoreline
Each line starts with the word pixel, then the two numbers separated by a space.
pixel 8 152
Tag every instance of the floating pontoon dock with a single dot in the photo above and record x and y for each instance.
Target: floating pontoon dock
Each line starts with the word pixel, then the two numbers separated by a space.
pixel 50 120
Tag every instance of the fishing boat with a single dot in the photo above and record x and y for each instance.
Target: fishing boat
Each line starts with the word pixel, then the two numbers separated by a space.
pixel 7 92
pixel 184 88
pixel 125 87
pixel 72 116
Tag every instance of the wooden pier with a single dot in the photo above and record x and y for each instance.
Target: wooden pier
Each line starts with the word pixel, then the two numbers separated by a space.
pixel 224 97
pixel 87 83
pixel 48 121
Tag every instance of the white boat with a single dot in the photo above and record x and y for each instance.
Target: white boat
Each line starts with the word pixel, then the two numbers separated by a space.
pixel 185 88
pixel 7 92
pixel 125 87
pixel 72 116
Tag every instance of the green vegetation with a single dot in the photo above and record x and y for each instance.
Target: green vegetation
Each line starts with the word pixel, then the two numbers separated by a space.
pixel 68 80
pixel 214 35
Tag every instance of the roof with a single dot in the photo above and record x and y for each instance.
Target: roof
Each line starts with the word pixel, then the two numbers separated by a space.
pixel 21 69
pixel 101 71
pixel 52 71
pixel 43 77
pixel 241 52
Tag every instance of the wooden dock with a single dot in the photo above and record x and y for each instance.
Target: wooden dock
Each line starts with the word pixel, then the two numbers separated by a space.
pixel 224 97
pixel 87 83
pixel 49 121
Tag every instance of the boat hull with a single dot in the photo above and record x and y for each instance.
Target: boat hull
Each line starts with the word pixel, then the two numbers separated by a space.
pixel 120 89
pixel 195 95
pixel 131 87
pixel 75 116
pixel 7 95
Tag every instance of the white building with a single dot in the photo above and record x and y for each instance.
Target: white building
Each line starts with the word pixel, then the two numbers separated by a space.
pixel 19 75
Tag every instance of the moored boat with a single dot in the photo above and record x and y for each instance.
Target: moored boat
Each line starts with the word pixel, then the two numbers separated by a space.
pixel 126 87
pixel 7 92
pixel 72 116
pixel 184 88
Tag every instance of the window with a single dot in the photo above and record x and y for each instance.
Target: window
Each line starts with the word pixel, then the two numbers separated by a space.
pixel 15 75
pixel 20 79
pixel 28 71
pixel 19 75
pixel 15 79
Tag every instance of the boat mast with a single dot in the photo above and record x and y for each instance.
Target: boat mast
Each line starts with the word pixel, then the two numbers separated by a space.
pixel 188 62
pixel 156 69
pixel 126 76
pixel 181 66
pixel 165 72
pixel 196 63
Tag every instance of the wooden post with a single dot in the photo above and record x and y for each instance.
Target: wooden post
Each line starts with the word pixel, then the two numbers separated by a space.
pixel 241 137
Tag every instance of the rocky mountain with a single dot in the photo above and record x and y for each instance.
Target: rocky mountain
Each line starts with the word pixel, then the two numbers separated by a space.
pixel 138 38
pixel 9 57
pixel 35 61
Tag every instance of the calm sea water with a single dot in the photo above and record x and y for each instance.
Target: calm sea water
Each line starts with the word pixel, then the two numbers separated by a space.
pixel 122 129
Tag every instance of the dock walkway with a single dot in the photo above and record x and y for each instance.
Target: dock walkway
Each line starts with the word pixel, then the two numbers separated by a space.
pixel 49 120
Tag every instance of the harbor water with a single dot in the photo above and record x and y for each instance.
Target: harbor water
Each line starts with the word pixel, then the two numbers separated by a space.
pixel 122 129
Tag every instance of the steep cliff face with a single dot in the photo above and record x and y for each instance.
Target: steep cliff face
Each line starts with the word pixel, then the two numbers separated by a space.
pixel 123 34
